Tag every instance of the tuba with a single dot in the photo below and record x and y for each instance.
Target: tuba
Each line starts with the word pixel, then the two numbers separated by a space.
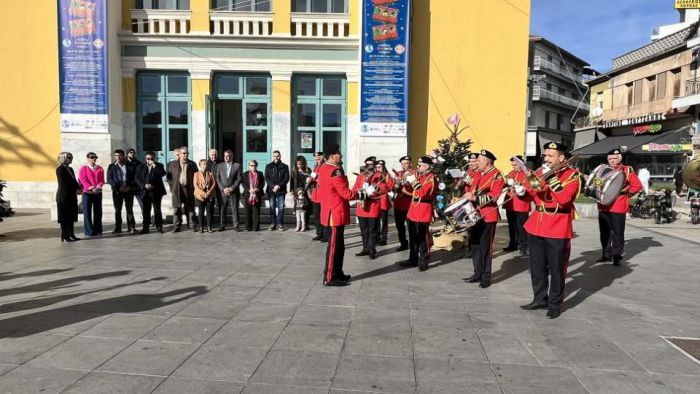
pixel 691 173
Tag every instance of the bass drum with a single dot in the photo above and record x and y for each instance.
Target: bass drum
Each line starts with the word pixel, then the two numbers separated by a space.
pixel 604 184
pixel 461 215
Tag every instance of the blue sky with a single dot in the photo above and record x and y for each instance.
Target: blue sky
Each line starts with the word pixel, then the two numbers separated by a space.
pixel 599 30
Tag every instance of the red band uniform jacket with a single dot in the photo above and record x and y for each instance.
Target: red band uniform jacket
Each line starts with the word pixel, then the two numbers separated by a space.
pixel 387 185
pixel 517 203
pixel 631 187
pixel 314 185
pixel 487 189
pixel 370 207
pixel 334 195
pixel 404 193
pixel 554 210
pixel 421 209
pixel 471 180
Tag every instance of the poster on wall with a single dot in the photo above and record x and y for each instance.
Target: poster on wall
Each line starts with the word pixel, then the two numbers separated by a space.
pixel 384 77
pixel 82 50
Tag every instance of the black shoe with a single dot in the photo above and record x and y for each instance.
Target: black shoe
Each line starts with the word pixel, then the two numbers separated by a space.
pixel 474 279
pixel 373 255
pixel 67 239
pixel 222 228
pixel 382 242
pixel 132 231
pixel 116 231
pixel 74 238
pixel 323 241
pixel 553 313
pixel 236 229
pixel 524 252
pixel 345 277
pixel 533 306
pixel 209 229
pixel 603 259
pixel 471 278
pixel 335 282
pixel 188 225
pixel 485 283
pixel 177 229
pixel 317 238
pixel 146 230
pixel 402 248
pixel 408 263
pixel 510 249
pixel 160 230
pixel 422 268
pixel 617 260
pixel 363 253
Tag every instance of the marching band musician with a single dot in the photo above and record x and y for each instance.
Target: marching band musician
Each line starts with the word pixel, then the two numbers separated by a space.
pixel 420 214
pixel 484 194
pixel 471 178
pixel 517 209
pixel 368 209
pixel 334 195
pixel 316 204
pixel 611 218
pixel 551 229
pixel 387 183
pixel 402 202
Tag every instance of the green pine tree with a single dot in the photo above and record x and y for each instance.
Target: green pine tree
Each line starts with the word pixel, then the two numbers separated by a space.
pixel 451 153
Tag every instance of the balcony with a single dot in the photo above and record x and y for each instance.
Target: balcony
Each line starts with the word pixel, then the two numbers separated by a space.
pixel 314 25
pixel 538 93
pixel 160 21
pixel 541 64
pixel 691 95
pixel 240 24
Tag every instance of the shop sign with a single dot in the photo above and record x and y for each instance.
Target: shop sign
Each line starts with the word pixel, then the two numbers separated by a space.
pixel 634 121
pixel 647 129
pixel 384 76
pixel 652 147
pixel 82 51
pixel 684 4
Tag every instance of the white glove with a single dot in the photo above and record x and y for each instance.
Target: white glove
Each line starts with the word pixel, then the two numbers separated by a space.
pixel 370 189
pixel 391 195
pixel 365 185
pixel 510 181
pixel 519 190
pixel 410 178
pixel 545 168
pixel 313 175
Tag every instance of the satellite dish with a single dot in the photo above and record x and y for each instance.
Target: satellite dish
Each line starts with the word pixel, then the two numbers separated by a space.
pixel 597 111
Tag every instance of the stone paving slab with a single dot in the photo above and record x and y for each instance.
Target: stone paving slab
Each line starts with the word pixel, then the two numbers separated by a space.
pixel 245 312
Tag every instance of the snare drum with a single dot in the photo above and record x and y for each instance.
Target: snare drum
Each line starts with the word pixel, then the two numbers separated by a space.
pixel 462 215
pixel 604 184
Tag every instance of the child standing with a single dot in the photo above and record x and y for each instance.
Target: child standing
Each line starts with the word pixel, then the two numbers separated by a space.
pixel 299 184
pixel 301 203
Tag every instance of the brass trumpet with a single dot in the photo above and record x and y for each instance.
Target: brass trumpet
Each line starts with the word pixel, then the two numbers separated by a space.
pixel 536 182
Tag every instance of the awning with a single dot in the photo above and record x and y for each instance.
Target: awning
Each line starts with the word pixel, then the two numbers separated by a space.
pixel 633 143
pixel 584 138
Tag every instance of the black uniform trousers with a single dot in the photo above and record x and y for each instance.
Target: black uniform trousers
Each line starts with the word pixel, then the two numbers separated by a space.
pixel 400 220
pixel 419 246
pixel 383 227
pixel 229 201
pixel 612 233
pixel 152 200
pixel 516 229
pixel 368 229
pixel 335 252
pixel 549 258
pixel 316 207
pixel 481 242
pixel 123 200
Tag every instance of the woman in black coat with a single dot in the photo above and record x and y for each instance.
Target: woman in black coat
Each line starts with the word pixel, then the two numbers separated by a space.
pixel 253 183
pixel 67 197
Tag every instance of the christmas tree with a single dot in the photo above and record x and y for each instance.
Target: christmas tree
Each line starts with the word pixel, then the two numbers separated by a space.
pixel 5 210
pixel 451 153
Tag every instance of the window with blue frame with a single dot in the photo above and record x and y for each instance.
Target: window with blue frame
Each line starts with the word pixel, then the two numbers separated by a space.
pixel 320 6
pixel 163 112
pixel 163 4
pixel 242 5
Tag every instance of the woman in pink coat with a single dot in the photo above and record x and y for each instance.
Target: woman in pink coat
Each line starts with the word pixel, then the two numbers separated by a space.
pixel 92 178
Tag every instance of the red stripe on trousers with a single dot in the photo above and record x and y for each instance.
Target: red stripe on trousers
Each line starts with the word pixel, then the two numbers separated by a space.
pixel 331 255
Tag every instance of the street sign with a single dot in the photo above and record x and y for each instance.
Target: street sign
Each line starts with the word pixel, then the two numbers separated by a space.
pixel 685 4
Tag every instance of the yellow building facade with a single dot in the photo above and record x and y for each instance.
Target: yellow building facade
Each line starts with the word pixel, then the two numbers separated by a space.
pixel 255 79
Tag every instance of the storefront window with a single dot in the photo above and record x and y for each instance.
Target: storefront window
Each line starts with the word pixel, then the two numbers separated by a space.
pixel 241 5
pixel 320 6
pixel 163 4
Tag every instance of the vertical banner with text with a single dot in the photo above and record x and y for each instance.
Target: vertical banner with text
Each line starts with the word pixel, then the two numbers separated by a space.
pixel 82 51
pixel 385 54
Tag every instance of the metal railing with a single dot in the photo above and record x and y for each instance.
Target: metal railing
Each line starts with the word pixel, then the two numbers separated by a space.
pixel 149 21
pixel 539 93
pixel 540 63
pixel 692 87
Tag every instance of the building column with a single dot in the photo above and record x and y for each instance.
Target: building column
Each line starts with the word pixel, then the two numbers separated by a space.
pixel 127 6
pixel 199 22
pixel 354 148
pixel 282 113
pixel 129 110
pixel 282 18
pixel 201 88
pixel 355 15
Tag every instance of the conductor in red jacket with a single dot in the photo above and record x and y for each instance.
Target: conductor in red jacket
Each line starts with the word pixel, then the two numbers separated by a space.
pixel 334 195
pixel 611 218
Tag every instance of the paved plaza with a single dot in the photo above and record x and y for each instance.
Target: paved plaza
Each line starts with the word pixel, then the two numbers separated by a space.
pixel 246 312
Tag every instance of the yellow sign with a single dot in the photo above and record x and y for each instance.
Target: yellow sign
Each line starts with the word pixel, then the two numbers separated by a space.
pixel 683 4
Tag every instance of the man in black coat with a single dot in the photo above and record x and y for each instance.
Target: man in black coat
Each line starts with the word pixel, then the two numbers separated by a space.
pixel 120 175
pixel 276 178
pixel 180 175
pixel 149 177
pixel 228 180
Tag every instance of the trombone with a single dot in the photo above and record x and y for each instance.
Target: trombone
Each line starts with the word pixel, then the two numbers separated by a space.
pixel 536 182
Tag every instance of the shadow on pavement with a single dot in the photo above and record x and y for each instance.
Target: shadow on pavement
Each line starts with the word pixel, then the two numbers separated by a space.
pixel 35 233
pixel 38 322
pixel 60 283
pixel 10 275
pixel 510 268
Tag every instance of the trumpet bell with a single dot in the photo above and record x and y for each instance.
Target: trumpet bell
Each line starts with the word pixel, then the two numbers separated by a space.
pixel 691 173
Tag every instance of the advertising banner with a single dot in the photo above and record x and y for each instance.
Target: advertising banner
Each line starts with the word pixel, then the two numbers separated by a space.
pixel 385 54
pixel 82 51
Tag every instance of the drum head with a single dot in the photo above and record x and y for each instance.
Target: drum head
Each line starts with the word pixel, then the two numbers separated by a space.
pixel 455 205
pixel 612 188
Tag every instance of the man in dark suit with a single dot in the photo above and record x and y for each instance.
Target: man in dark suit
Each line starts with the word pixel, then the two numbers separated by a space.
pixel 212 162
pixel 149 178
pixel 276 178
pixel 228 179
pixel 180 176
pixel 120 175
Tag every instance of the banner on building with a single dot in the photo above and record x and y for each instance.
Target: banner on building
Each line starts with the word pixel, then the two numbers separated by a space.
pixel 385 54
pixel 82 51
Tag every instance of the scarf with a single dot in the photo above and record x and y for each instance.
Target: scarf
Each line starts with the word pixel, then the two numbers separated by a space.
pixel 253 180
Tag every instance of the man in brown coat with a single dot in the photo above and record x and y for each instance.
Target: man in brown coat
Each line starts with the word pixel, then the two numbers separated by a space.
pixel 180 176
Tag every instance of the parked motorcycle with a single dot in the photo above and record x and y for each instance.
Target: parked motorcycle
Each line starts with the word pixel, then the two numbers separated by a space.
pixel 664 208
pixel 643 208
